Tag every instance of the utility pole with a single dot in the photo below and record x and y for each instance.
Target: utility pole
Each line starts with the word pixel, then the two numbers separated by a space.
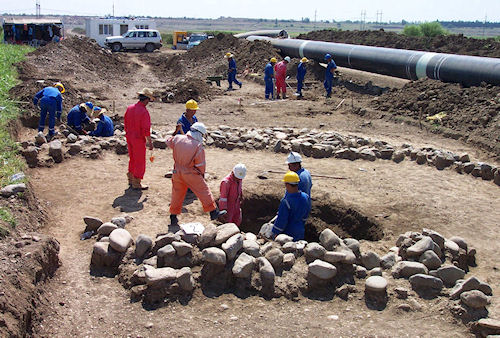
pixel 484 24
pixel 38 14
pixel 363 18
pixel 315 12
pixel 379 17
pixel 113 9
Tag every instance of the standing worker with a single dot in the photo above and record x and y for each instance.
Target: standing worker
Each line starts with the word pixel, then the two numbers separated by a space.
pixel 105 126
pixel 231 72
pixel 330 68
pixel 231 193
pixel 294 161
pixel 280 69
pixel 189 172
pixel 50 100
pixel 187 119
pixel 138 133
pixel 268 78
pixel 293 210
pixel 301 74
pixel 77 117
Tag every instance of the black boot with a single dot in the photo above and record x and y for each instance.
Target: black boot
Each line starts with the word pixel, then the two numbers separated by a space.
pixel 214 214
pixel 174 220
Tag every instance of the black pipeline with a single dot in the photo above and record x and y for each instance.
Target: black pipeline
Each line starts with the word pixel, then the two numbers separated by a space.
pixel 406 64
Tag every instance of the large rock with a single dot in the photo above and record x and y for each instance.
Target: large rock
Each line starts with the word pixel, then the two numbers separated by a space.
pixel 486 172
pixel 182 248
pixel 352 244
pixel 251 247
pixel 159 143
pixel 214 255
pixel 435 236
pixel 421 281
pixel 243 266
pixel 322 269
pixel 283 238
pixel 430 260
pixel 334 257
pixel 370 260
pixel 451 247
pixel 474 299
pixel 491 324
pixel 55 151
pixel 75 148
pixel 185 279
pixel 120 221
pixel 12 189
pixel 31 156
pixel 443 160
pixel 376 284
pixel 387 261
pixel 314 251
pixel 496 176
pixel 329 239
pixel 290 247
pixel 233 245
pixel 120 240
pixel 157 276
pixel 398 156
pixel 103 255
pixel 288 260
pixel 267 273
pixel 224 232
pixel 208 235
pixel 469 284
pixel 165 253
pixel 462 243
pixel 405 269
pixel 275 257
pixel 450 274
pixel 121 147
pixel 106 228
pixel 420 247
pixel 350 257
pixel 92 223
pixel 143 244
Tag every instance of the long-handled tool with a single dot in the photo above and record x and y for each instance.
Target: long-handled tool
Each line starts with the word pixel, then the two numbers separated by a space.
pixel 313 175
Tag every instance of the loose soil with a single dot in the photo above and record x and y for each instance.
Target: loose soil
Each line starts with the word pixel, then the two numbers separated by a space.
pixel 398 197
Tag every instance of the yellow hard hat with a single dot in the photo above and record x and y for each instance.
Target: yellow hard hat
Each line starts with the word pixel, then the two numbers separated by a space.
pixel 60 86
pixel 274 60
pixel 304 59
pixel 192 105
pixel 291 177
pixel 228 55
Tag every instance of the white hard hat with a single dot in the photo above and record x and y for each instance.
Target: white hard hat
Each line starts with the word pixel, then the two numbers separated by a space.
pixel 200 127
pixel 240 171
pixel 287 59
pixel 293 157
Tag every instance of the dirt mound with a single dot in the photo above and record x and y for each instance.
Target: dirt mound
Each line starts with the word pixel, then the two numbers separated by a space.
pixel 453 44
pixel 471 112
pixel 186 89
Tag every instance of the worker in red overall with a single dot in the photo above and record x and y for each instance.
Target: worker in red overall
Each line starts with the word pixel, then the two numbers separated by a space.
pixel 280 71
pixel 138 133
pixel 230 194
pixel 189 172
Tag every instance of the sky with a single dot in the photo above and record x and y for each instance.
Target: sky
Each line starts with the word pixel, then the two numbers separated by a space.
pixel 392 10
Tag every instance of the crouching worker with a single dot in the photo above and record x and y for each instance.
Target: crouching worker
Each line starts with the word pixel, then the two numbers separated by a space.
pixel 77 117
pixel 105 126
pixel 189 172
pixel 231 195
pixel 293 210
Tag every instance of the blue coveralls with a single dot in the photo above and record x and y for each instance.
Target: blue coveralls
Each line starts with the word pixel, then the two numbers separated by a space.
pixel 305 183
pixel 292 213
pixel 76 118
pixel 329 76
pixel 104 128
pixel 301 73
pixel 184 122
pixel 268 79
pixel 231 74
pixel 50 101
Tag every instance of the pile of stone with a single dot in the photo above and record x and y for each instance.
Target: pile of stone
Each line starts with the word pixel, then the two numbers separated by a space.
pixel 323 144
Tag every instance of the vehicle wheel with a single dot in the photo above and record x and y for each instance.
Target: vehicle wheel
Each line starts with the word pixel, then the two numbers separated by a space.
pixel 149 47
pixel 116 47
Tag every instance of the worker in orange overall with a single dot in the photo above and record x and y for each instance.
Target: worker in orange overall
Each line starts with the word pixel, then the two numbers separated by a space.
pixel 280 70
pixel 230 194
pixel 189 172
pixel 138 134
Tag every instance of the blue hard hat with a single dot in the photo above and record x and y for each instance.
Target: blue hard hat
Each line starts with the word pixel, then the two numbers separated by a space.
pixel 327 56
pixel 89 104
pixel 96 108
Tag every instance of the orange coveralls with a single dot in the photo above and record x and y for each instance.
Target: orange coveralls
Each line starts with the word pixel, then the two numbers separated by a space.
pixel 189 171
pixel 137 124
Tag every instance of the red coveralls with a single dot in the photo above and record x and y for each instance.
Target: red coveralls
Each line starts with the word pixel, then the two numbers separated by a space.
pixel 230 198
pixel 280 74
pixel 189 171
pixel 137 127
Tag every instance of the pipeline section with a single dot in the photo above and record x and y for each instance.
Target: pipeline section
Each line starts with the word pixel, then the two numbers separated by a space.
pixel 276 33
pixel 406 64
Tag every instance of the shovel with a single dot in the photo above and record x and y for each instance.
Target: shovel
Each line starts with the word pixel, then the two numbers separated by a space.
pixel 264 176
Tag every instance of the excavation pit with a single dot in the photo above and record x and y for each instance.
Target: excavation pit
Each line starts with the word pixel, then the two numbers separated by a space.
pixel 345 221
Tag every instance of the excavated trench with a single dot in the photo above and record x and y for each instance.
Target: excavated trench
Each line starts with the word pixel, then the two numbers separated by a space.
pixel 259 208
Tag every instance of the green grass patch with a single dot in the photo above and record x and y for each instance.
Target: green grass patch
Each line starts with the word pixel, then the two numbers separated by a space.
pixel 10 161
pixel 7 218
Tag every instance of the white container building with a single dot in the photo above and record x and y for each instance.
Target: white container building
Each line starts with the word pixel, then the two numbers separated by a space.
pixel 101 28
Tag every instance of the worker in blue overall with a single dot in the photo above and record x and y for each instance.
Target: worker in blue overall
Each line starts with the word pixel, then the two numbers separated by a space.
pixel 301 74
pixel 78 116
pixel 269 77
pixel 50 101
pixel 231 71
pixel 105 126
pixel 293 210
pixel 294 161
pixel 330 69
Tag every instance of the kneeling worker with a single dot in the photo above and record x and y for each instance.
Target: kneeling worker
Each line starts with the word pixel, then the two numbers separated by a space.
pixel 293 210
pixel 231 193
pixel 105 126
pixel 77 117
pixel 189 172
